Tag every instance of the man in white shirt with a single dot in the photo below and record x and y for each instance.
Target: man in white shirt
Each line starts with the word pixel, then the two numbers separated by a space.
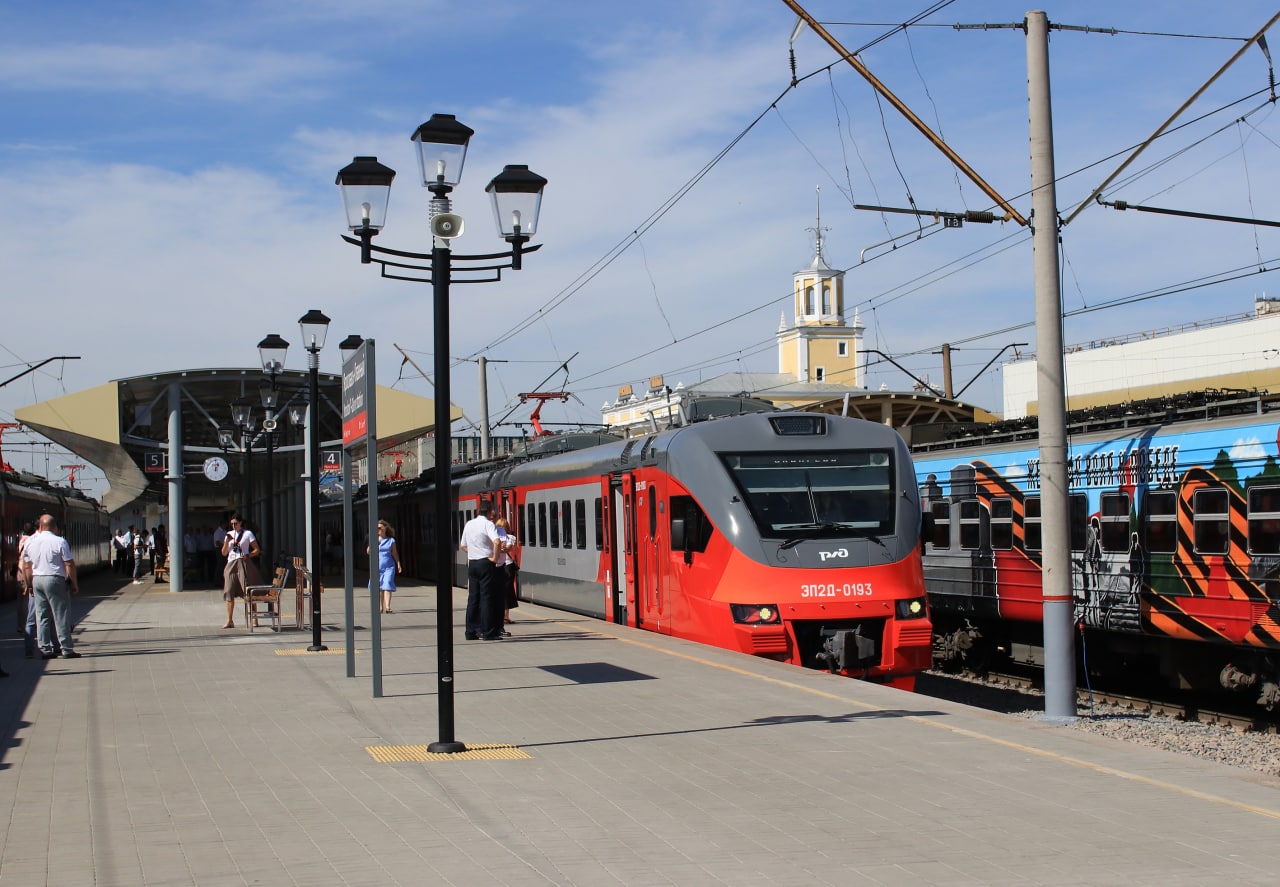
pixel 123 545
pixel 480 542
pixel 47 559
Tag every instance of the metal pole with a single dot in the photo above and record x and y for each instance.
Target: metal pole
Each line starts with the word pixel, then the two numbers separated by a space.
pixel 349 549
pixel 484 407
pixel 313 512
pixel 371 515
pixel 177 504
pixel 268 516
pixel 1059 646
pixel 440 271
pixel 248 474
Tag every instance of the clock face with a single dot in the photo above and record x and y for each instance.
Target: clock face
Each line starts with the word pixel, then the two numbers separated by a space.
pixel 215 468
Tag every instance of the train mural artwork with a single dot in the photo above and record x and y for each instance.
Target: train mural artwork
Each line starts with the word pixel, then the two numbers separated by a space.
pixel 1175 544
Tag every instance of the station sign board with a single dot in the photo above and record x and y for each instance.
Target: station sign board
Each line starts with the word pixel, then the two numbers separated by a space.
pixel 154 461
pixel 331 462
pixel 355 396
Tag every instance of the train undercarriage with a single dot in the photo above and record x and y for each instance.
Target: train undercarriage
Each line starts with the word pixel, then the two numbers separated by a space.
pixel 966 643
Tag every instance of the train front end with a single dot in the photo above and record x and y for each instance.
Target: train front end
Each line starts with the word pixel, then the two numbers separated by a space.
pixel 820 526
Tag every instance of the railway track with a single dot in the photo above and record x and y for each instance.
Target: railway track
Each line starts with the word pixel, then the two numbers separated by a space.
pixel 1088 701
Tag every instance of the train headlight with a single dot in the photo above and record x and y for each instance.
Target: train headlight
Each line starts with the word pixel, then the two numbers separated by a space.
pixel 755 614
pixel 912 608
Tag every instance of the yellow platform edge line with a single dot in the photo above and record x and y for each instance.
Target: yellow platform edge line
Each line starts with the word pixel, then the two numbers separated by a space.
pixel 393 754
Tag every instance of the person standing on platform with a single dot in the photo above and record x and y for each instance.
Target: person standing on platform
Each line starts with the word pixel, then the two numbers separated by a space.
pixel 204 545
pixel 139 553
pixel 52 572
pixel 122 543
pixel 505 564
pixel 388 564
pixel 159 548
pixel 29 601
pixel 239 547
pixel 480 542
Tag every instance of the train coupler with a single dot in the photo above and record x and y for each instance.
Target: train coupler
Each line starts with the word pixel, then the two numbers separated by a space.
pixel 848 650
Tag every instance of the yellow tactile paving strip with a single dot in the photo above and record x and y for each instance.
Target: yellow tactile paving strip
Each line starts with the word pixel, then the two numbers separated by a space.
pixel 394 754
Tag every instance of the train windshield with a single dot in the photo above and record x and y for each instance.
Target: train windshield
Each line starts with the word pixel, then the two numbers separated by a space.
pixel 817 493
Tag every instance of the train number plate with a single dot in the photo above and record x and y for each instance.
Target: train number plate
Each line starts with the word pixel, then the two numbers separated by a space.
pixel 831 589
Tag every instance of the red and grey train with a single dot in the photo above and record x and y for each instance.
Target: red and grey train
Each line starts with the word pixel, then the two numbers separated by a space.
pixel 1175 542
pixel 792 536
pixel 24 497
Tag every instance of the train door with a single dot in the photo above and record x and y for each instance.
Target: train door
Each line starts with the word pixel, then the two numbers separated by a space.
pixel 624 536
pixel 611 537
pixel 652 603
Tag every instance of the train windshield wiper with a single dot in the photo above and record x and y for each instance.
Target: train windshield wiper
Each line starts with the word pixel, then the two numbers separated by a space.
pixel 813 531
pixel 816 531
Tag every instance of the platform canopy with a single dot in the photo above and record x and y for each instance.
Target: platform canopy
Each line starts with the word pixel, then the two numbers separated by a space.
pixel 116 425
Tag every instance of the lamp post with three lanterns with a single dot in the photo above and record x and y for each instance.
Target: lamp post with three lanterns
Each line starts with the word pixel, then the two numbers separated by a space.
pixel 516 194
pixel 314 327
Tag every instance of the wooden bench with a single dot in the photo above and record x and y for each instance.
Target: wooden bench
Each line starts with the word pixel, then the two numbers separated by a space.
pixel 162 569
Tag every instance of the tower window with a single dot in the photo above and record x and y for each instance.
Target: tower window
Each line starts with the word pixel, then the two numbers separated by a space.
pixel 808 300
pixel 819 374
pixel 842 349
pixel 826 298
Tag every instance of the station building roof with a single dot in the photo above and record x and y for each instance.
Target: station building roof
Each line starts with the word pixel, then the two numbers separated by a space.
pixel 114 426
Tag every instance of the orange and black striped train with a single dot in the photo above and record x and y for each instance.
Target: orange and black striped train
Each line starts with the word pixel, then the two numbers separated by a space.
pixel 1175 542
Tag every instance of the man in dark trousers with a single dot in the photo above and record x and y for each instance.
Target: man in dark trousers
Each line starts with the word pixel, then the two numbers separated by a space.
pixel 484 610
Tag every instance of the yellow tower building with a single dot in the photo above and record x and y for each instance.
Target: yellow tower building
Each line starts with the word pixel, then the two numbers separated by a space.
pixel 819 346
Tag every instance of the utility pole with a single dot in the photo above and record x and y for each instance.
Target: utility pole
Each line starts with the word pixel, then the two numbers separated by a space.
pixel 484 407
pixel 1059 606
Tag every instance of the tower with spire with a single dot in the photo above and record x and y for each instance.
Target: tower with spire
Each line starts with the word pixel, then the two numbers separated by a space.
pixel 819 346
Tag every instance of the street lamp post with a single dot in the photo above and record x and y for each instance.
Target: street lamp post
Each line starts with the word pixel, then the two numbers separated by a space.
pixel 517 197
pixel 314 326
pixel 272 350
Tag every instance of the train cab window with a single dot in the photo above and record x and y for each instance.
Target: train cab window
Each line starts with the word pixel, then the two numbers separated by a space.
pixel 599 503
pixel 1115 522
pixel 542 524
pixel 1002 523
pixel 1078 515
pixel 836 494
pixel 690 527
pixel 580 522
pixel 1212 521
pixel 941 525
pixel 553 525
pixel 1264 520
pixel 566 523
pixel 1162 521
pixel 1031 537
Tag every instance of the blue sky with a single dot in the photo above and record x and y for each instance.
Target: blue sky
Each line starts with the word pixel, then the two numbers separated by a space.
pixel 167 172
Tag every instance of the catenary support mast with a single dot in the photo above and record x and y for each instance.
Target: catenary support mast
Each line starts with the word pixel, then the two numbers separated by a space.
pixel 1059 648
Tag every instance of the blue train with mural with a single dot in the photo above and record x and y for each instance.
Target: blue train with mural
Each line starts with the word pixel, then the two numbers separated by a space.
pixel 1174 512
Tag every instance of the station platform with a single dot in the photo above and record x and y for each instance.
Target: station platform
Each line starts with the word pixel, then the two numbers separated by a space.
pixel 178 752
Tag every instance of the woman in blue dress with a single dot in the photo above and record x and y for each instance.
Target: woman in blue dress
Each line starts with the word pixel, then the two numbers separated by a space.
pixel 388 564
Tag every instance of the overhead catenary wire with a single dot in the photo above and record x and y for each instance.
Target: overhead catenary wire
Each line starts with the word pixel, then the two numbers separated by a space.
pixel 1174 116
pixel 684 190
pixel 625 243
